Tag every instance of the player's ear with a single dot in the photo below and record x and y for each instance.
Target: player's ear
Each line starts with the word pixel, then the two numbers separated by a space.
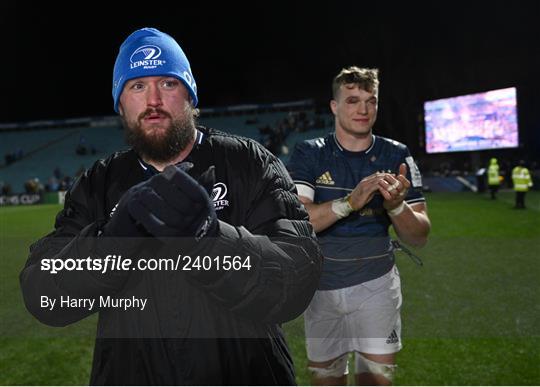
pixel 333 106
pixel 120 109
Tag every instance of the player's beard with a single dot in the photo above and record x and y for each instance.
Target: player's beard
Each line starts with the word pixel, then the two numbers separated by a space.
pixel 161 148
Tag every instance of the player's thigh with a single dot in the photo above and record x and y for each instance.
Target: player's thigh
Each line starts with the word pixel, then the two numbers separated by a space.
pixel 388 358
pixel 378 315
pixel 374 369
pixel 327 363
pixel 332 372
pixel 325 327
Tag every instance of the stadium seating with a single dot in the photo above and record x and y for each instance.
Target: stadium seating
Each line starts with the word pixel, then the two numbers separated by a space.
pixel 45 150
pixel 295 137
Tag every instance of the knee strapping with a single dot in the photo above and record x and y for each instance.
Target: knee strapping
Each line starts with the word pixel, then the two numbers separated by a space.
pixel 363 364
pixel 338 368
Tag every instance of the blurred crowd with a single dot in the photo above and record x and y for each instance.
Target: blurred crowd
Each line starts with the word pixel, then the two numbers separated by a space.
pixel 274 137
pixel 58 181
pixel 11 157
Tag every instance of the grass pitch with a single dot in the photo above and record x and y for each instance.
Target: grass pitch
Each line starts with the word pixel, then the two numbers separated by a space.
pixel 471 314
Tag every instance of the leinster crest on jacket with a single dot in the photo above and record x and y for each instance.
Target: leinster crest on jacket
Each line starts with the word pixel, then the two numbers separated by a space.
pixel 219 194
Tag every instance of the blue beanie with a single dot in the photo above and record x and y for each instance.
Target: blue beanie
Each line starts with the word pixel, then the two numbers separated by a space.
pixel 149 52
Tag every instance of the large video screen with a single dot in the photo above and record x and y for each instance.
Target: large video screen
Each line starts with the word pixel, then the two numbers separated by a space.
pixel 472 122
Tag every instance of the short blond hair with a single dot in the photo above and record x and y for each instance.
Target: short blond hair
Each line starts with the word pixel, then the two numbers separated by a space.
pixel 365 78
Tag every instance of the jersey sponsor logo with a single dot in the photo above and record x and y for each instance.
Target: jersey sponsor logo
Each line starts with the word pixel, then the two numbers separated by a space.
pixel 393 338
pixel 218 196
pixel 147 57
pixel 415 172
pixel 366 211
pixel 325 179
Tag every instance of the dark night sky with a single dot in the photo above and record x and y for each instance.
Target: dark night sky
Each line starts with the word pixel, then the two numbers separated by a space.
pixel 57 62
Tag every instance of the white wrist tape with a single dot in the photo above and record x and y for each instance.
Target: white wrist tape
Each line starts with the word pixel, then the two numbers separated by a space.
pixel 396 211
pixel 341 207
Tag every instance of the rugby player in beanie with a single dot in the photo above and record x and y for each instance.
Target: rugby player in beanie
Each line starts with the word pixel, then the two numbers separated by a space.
pixel 183 189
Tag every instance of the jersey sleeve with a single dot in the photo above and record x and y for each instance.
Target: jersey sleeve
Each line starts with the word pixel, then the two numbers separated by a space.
pixel 415 194
pixel 300 168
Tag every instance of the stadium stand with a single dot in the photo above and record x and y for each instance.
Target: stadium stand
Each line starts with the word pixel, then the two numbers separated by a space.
pixel 39 150
pixel 48 149
pixel 61 146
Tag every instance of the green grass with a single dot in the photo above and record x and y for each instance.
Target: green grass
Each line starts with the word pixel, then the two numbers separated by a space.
pixel 31 353
pixel 471 314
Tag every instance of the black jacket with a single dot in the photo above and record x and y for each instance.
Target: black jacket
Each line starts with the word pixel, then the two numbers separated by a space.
pixel 201 327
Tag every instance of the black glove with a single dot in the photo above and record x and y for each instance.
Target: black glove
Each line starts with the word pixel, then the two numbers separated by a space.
pixel 174 204
pixel 121 223
pixel 122 234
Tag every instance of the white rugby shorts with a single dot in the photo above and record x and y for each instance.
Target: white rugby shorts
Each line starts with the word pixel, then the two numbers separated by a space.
pixel 362 318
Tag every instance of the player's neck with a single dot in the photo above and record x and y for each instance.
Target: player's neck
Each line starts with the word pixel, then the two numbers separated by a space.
pixel 354 142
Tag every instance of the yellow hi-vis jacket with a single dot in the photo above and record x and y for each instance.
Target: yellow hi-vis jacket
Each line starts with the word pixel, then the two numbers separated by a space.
pixel 522 179
pixel 493 173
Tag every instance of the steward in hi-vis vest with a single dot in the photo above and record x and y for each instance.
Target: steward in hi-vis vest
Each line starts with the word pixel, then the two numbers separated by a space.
pixel 522 182
pixel 493 177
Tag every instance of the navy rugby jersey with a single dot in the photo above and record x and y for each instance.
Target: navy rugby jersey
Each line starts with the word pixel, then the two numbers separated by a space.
pixel 356 248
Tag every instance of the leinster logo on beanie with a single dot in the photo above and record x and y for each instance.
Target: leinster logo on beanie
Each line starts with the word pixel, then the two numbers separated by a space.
pixel 149 52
